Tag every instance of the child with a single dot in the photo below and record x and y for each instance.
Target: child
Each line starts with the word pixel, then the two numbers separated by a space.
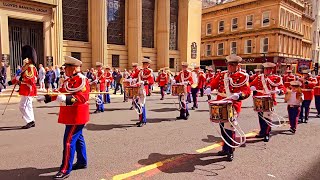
pixel 294 98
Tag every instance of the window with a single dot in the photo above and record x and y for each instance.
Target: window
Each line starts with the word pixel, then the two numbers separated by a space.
pixel 174 13
pixel 264 45
pixel 115 60
pixel 248 46
pixel 249 22
pixel 209 29
pixel 221 27
pixel 220 49
pixel 233 48
pixel 265 19
pixel 75 20
pixel 76 55
pixel 148 7
pixel 234 26
pixel 171 63
pixel 116 21
pixel 208 50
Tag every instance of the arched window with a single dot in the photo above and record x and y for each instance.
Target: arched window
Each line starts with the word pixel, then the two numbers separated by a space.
pixel 148 7
pixel 174 13
pixel 116 21
pixel 75 20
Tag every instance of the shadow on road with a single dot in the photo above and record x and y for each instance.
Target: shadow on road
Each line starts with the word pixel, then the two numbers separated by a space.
pixel 178 163
pixel 313 172
pixel 212 139
pixel 27 173
pixel 164 110
pixel 46 107
pixel 107 127
pixel 157 120
pixel 10 129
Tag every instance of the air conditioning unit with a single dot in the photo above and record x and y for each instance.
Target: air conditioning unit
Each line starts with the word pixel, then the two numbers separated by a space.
pixel 266 21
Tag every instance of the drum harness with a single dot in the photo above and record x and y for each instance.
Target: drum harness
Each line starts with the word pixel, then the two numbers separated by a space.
pixel 181 106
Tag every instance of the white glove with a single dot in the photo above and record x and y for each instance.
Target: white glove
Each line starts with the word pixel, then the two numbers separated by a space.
pixel 61 98
pixel 17 78
pixel 141 83
pixel 253 88
pixel 234 96
pixel 173 81
pixel 207 91
pixel 41 98
pixel 186 83
pixel 107 80
pixel 95 81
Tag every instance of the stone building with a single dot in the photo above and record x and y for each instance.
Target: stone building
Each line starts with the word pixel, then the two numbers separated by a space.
pixel 276 31
pixel 114 32
pixel 316 31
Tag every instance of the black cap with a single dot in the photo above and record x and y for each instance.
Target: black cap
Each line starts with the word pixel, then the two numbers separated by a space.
pixel 30 53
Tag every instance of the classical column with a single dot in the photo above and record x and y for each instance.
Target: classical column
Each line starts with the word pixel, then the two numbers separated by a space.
pixel 163 33
pixel 58 29
pixel 134 31
pixel 99 31
pixel 4 42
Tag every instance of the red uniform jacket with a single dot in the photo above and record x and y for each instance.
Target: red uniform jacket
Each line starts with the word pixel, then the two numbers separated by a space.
pixel 109 78
pixel 28 80
pixel 307 88
pixel 185 76
pixel 209 77
pixel 252 77
pixel 78 112
pixel 162 79
pixel 135 73
pixel 201 80
pixel 287 79
pixel 317 88
pixel 238 83
pixel 271 82
pixel 102 80
pixel 145 75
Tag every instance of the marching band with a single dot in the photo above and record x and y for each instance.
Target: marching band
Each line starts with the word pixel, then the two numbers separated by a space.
pixel 232 87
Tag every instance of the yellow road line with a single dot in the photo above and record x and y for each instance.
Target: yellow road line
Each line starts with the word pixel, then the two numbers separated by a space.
pixel 161 163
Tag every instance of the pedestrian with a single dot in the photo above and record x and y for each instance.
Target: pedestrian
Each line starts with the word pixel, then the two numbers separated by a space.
pixel 74 115
pixel 294 98
pixel 41 77
pixel 308 83
pixel 57 75
pixel 114 73
pixel 3 76
pixel 118 77
pixel 162 81
pixel 53 78
pixel 48 79
pixel 18 71
pixel 28 88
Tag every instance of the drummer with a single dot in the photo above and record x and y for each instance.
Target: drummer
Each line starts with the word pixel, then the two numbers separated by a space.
pixel 100 81
pixel 236 88
pixel 162 80
pixel 109 79
pixel 267 84
pixel 294 98
pixel 198 80
pixel 287 78
pixel 185 78
pixel 257 73
pixel 209 76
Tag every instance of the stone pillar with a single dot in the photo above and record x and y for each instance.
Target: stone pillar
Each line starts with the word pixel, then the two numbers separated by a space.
pixel 4 42
pixel 58 34
pixel 134 31
pixel 99 31
pixel 163 33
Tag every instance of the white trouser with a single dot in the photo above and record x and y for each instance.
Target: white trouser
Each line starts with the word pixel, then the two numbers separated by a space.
pixel 26 108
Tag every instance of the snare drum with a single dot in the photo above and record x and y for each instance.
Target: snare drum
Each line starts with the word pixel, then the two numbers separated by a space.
pixel 126 84
pixel 132 91
pixel 93 87
pixel 221 111
pixel 177 89
pixel 263 103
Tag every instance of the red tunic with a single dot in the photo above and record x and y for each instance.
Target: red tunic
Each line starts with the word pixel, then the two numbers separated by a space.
pixel 252 77
pixel 209 77
pixel 145 75
pixel 162 79
pixel 78 112
pixel 317 88
pixel 185 76
pixel 307 89
pixel 109 78
pixel 29 79
pixel 201 80
pixel 287 78
pixel 272 82
pixel 239 79
pixel 135 73
pixel 102 80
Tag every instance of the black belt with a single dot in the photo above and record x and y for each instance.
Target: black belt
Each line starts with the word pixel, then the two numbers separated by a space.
pixel 293 106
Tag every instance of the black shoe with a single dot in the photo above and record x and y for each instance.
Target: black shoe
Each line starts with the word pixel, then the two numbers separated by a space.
pixel 60 176
pixel 77 166
pixel 161 99
pixel 300 120
pixel 318 116
pixel 305 121
pixel 259 136
pixel 96 111
pixel 29 125
pixel 138 123
pixel 266 138
pixel 292 130
pixel 186 118
pixel 131 108
pixel 193 108
pixel 141 124
pixel 230 157
pixel 179 117
pixel 222 153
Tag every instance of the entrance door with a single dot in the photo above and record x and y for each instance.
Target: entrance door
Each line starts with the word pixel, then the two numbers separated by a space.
pixel 23 32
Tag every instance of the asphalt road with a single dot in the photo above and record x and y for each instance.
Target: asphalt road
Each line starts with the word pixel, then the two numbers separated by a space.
pixel 163 149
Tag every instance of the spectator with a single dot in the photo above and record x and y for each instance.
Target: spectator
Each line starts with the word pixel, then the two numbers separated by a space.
pixel 41 76
pixel 90 75
pixel 118 77
pixel 114 74
pixel 3 76
pixel 18 71
pixel 53 78
pixel 62 77
pixel 57 75
pixel 126 74
pixel 48 78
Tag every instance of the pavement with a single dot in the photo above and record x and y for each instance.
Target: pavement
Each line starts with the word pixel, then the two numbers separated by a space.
pixel 164 149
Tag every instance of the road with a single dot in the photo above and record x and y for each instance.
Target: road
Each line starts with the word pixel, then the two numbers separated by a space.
pixel 164 149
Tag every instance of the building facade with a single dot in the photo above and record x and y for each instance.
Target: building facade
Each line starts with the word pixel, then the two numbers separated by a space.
pixel 316 31
pixel 114 32
pixel 276 31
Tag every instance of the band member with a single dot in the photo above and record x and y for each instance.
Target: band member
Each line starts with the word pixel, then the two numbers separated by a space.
pixel 201 82
pixel 218 72
pixel 170 77
pixel 317 96
pixel 185 78
pixel 195 86
pixel 27 82
pixel 162 80
pixel 267 84
pixel 209 76
pixel 257 73
pixel 294 98
pixel 234 85
pixel 109 79
pixel 287 78
pixel 308 83
pixel 144 78
pixel 100 79
pixel 74 114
